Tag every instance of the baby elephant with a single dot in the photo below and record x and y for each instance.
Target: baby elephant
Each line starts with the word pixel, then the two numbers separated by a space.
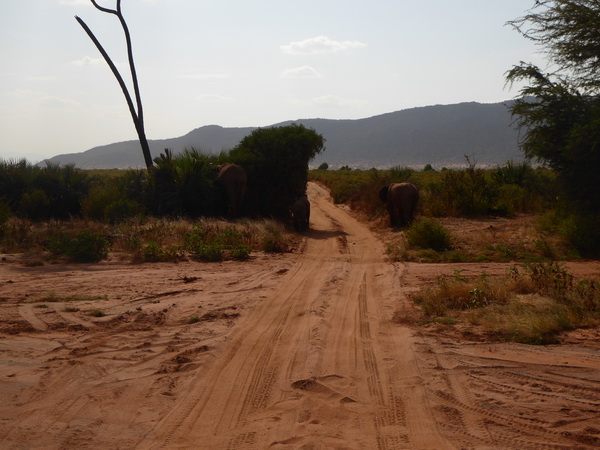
pixel 301 213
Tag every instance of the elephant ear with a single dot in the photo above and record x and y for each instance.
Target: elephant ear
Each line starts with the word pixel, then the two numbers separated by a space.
pixel 383 194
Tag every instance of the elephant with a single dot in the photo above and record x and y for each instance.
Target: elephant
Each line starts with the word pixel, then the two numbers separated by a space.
pixel 401 200
pixel 301 213
pixel 232 178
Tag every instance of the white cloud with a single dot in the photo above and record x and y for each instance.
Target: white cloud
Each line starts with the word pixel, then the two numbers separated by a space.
pixel 87 61
pixel 319 45
pixel 301 72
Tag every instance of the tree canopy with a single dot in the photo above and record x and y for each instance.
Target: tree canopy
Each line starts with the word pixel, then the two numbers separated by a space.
pixel 559 110
pixel 276 160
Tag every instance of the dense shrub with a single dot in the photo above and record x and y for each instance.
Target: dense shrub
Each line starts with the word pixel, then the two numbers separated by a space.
pixel 35 205
pixel 85 246
pixel 38 194
pixel 428 233
pixel 183 185
pixel 276 160
pixel 106 202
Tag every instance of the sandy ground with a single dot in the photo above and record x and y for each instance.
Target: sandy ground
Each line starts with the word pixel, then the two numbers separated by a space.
pixel 294 351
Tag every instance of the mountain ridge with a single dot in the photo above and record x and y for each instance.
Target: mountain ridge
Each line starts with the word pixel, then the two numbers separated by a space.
pixel 440 135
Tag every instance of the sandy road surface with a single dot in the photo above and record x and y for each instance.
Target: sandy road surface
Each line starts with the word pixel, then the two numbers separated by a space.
pixel 314 365
pixel 290 351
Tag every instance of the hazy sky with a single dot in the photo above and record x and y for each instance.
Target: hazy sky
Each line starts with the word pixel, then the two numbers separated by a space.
pixel 239 63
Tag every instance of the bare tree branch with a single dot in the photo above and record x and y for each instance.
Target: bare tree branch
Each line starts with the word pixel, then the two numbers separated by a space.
pixel 137 115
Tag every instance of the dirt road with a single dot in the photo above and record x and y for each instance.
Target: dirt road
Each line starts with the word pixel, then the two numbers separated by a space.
pixel 283 352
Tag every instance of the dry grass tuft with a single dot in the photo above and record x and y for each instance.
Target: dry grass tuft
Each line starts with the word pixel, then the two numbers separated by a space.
pixel 532 304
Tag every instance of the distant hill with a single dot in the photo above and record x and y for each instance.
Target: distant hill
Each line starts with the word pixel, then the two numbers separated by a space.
pixel 439 135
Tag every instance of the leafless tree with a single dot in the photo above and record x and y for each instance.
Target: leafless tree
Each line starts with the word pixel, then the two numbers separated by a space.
pixel 136 114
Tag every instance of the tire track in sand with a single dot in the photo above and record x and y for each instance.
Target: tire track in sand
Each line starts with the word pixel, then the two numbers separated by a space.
pixel 27 313
pixel 316 364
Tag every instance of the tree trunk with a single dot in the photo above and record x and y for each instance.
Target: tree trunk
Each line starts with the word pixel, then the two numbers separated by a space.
pixel 136 115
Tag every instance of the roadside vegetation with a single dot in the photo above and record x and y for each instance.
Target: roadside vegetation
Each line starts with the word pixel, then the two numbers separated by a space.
pixel 516 191
pixel 174 210
pixel 532 304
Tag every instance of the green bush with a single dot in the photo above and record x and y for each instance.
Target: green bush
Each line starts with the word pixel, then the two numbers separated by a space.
pixel 153 252
pixel 108 203
pixel 5 215
pixel 510 199
pixel 583 232
pixel 208 252
pixel 183 185
pixel 35 205
pixel 85 246
pixel 276 160
pixel 240 252
pixel 429 234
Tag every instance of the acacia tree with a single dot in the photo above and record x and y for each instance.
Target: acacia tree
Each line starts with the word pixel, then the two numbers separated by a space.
pixel 137 113
pixel 559 110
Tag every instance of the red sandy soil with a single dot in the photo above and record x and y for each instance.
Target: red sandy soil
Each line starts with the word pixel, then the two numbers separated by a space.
pixel 293 351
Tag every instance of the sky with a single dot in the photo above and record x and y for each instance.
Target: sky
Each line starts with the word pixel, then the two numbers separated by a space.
pixel 241 63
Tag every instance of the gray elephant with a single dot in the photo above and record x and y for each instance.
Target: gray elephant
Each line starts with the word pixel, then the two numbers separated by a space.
pixel 301 213
pixel 401 200
pixel 232 178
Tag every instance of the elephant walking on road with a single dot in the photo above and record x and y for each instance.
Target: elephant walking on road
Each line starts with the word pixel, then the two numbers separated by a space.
pixel 232 179
pixel 401 200
pixel 301 213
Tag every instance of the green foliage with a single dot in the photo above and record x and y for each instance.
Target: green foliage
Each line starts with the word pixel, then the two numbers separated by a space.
pixel 323 166
pixel 39 194
pixel 583 232
pixel 16 177
pixel 580 229
pixel 155 252
pixel 400 174
pixel 85 246
pixel 183 185
pixel 560 112
pixel 276 160
pixel 344 185
pixel 213 244
pixel 35 205
pixel 471 192
pixel 107 202
pixel 429 233
pixel 465 192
